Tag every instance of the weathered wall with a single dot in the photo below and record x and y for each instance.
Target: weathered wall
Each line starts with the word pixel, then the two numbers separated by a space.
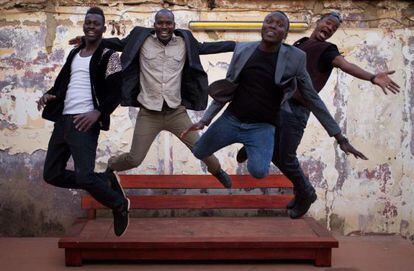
pixel 374 196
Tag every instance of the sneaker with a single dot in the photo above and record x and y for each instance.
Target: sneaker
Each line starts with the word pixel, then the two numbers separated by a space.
pixel 241 155
pixel 302 205
pixel 115 182
pixel 224 178
pixel 121 218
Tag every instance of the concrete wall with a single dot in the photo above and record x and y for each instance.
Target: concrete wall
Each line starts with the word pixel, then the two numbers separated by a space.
pixel 374 196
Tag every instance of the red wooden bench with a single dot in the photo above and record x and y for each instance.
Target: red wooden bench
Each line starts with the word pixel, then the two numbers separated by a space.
pixel 199 238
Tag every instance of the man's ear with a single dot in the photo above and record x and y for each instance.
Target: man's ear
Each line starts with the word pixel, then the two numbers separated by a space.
pixel 104 29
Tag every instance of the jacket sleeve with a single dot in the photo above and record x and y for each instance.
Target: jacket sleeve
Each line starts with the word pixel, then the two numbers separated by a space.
pixel 205 48
pixel 116 43
pixel 65 69
pixel 314 102
pixel 211 112
pixel 113 84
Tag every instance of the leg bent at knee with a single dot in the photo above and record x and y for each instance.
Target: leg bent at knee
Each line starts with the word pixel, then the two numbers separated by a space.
pixel 124 162
pixel 258 172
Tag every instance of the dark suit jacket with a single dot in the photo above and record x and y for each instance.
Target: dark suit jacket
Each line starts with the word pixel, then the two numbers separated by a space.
pixel 194 83
pixel 290 74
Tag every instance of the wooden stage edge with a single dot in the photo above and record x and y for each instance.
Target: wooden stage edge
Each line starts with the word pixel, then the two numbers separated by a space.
pixel 200 238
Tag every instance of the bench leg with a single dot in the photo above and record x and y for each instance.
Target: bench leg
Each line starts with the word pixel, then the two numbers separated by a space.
pixel 73 257
pixel 323 257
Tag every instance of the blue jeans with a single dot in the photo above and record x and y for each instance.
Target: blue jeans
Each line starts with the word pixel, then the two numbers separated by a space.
pixel 66 141
pixel 257 138
pixel 287 140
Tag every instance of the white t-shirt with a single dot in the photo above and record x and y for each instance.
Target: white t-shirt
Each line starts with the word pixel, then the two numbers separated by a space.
pixel 78 98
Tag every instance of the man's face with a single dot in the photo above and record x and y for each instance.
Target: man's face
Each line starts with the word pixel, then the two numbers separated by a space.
pixel 93 27
pixel 164 27
pixel 274 28
pixel 326 27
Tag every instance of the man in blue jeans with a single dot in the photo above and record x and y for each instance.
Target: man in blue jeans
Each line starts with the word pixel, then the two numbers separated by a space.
pixel 264 76
pixel 322 57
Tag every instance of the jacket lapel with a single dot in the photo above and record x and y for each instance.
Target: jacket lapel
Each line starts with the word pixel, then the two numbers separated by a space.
pixel 132 50
pixel 240 59
pixel 94 63
pixel 281 63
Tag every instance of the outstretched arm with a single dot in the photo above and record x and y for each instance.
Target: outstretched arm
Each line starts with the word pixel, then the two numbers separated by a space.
pixel 380 79
pixel 111 43
pixel 205 48
pixel 318 108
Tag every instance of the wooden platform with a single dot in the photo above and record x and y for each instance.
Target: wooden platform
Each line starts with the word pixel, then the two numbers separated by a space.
pixel 200 238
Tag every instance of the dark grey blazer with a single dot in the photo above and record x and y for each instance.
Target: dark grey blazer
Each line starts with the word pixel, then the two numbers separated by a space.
pixel 290 73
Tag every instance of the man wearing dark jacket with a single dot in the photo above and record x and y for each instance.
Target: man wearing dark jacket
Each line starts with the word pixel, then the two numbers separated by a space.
pixel 264 76
pixel 84 95
pixel 162 74
pixel 322 57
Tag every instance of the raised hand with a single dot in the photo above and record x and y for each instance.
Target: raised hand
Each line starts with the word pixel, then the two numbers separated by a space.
pixel 83 122
pixel 44 100
pixel 384 81
pixel 196 126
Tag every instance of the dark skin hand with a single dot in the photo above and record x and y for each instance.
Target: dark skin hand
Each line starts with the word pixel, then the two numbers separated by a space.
pixel 196 126
pixel 76 41
pixel 382 80
pixel 347 148
pixel 44 100
pixel 83 122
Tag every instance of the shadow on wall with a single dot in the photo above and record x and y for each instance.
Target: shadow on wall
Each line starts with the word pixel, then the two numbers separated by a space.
pixel 29 206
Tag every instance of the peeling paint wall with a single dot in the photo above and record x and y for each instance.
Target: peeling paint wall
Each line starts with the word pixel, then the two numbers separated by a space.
pixel 354 197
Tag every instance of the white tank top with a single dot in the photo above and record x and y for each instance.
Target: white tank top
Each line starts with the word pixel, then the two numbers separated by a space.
pixel 78 98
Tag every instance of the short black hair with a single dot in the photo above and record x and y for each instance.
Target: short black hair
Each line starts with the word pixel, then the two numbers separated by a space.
pixel 165 11
pixel 334 14
pixel 96 10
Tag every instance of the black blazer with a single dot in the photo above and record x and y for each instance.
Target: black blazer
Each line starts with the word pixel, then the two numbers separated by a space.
pixel 105 86
pixel 194 83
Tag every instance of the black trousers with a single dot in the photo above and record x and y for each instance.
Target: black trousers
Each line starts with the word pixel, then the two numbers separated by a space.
pixel 288 137
pixel 66 141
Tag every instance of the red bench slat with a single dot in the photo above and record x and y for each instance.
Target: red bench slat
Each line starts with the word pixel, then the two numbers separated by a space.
pixel 201 181
pixel 199 202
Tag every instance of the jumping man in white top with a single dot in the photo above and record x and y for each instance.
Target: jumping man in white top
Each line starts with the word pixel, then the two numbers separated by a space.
pixel 84 95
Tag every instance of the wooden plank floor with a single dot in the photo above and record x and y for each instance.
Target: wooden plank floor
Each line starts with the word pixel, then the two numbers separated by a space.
pixel 201 238
pixel 226 229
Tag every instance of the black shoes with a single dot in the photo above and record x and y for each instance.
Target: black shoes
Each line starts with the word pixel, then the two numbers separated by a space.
pixel 224 178
pixel 241 155
pixel 121 218
pixel 115 182
pixel 121 214
pixel 291 203
pixel 302 203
